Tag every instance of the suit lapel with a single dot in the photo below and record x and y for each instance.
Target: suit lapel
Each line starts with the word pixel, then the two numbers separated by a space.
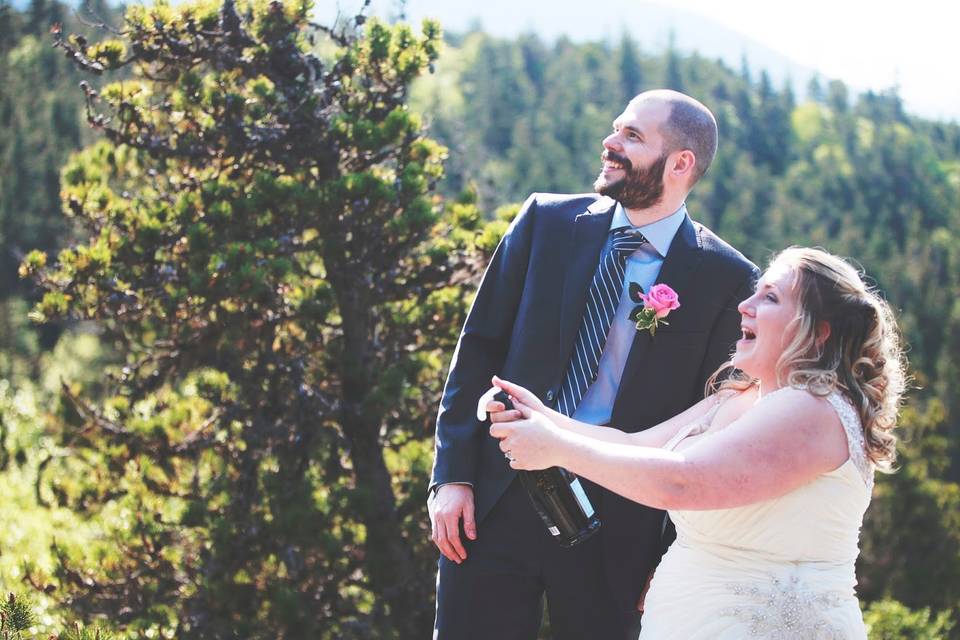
pixel 587 238
pixel 677 271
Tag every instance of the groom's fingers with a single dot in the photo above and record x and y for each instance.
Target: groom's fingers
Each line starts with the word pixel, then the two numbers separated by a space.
pixel 505 416
pixel 453 536
pixel 469 523
pixel 451 502
pixel 437 533
pixel 443 541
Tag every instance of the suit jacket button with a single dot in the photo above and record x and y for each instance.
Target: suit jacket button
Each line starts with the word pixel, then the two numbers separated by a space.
pixel 550 396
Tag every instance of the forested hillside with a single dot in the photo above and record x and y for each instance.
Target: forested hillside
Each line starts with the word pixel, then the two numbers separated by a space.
pixel 186 445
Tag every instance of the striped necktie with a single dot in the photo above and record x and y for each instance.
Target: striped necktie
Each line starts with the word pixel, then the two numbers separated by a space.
pixel 602 301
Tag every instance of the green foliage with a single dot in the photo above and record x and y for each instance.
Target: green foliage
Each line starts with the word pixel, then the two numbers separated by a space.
pixel 16 615
pixel 78 632
pixel 40 124
pixel 263 252
pixel 891 620
pixel 911 546
pixel 29 491
pixel 244 450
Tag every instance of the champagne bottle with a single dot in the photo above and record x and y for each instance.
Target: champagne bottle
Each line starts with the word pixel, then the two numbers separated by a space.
pixel 559 499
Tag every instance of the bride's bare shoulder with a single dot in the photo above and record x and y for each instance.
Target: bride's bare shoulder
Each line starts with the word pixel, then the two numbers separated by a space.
pixel 812 412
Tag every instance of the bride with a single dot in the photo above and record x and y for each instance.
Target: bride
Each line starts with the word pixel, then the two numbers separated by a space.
pixel 766 479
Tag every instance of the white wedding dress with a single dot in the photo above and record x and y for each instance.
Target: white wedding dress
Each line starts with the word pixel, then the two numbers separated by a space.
pixel 781 569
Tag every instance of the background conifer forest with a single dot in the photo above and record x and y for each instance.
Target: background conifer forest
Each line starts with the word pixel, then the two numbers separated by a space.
pixel 237 247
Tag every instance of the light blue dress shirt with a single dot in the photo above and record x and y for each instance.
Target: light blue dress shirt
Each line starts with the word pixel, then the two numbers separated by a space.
pixel 643 267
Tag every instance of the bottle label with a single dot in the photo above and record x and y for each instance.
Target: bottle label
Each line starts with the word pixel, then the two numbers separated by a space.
pixel 554 531
pixel 581 497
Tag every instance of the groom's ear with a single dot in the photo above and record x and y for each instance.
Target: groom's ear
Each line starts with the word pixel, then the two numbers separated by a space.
pixel 682 164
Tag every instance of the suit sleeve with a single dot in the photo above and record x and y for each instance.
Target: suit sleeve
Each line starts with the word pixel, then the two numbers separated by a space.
pixel 480 353
pixel 726 329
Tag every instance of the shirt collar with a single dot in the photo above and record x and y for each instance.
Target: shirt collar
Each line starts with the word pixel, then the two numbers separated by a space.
pixel 659 233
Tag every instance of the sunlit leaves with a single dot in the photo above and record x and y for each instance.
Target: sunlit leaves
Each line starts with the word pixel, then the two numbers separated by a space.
pixel 109 53
pixel 266 252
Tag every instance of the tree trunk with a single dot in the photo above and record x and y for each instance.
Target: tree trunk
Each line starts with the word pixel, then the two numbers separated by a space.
pixel 390 562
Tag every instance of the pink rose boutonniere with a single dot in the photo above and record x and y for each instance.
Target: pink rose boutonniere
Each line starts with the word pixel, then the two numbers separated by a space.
pixel 653 307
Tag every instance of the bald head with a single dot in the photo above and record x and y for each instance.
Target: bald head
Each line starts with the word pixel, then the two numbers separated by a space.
pixel 689 125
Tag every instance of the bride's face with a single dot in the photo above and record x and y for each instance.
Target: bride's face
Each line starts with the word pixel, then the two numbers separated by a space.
pixel 767 324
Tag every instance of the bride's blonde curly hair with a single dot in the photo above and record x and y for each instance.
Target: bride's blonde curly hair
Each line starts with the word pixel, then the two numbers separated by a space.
pixel 862 355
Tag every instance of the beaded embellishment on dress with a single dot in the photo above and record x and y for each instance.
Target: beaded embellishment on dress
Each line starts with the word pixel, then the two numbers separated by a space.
pixel 855 440
pixel 785 610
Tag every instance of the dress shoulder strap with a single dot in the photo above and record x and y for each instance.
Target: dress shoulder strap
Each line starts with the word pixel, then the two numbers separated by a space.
pixel 856 443
pixel 696 427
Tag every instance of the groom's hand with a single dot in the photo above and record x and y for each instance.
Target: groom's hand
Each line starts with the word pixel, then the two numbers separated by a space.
pixel 450 503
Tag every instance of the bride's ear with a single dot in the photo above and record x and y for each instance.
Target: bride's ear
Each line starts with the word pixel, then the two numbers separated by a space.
pixel 822 333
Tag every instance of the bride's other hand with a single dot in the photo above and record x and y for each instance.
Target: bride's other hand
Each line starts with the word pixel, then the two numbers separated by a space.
pixel 530 443
pixel 521 395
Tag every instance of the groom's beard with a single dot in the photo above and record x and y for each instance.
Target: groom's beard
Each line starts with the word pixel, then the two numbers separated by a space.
pixel 640 188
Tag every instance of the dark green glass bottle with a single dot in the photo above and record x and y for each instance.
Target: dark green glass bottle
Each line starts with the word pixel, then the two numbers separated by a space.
pixel 559 499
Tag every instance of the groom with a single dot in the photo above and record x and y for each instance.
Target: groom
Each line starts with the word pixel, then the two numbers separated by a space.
pixel 551 314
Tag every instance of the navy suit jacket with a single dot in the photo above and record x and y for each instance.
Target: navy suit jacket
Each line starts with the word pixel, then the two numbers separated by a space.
pixel 522 327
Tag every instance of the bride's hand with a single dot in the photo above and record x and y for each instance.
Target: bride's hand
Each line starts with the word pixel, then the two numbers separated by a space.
pixel 522 398
pixel 531 442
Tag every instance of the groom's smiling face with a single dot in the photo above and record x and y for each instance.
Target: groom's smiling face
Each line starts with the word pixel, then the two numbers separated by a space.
pixel 634 156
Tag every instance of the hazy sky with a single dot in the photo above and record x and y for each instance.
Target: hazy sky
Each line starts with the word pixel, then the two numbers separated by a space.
pixel 913 44
pixel 869 44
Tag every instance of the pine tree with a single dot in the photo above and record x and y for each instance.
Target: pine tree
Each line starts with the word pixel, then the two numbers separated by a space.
pixel 265 255
pixel 631 72
pixel 673 71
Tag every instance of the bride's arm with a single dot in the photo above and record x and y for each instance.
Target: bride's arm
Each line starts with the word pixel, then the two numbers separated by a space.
pixel 774 448
pixel 655 436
